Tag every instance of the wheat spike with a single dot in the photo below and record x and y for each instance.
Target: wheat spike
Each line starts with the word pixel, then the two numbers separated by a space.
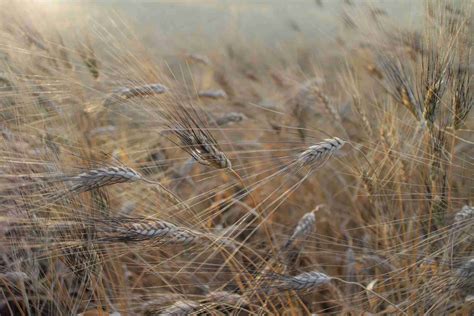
pixel 97 178
pixel 198 58
pixel 125 93
pixel 303 281
pixel 227 298
pixel 465 277
pixel 303 228
pixel 14 276
pixel 188 125
pixel 213 94
pixel 140 230
pixel 5 83
pixel 318 154
pixel 231 117
pixel 181 308
pixel 466 213
pixel 131 229
pixel 202 148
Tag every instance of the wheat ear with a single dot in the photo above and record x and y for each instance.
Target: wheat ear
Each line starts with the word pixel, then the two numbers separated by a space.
pixel 316 155
pixel 126 93
pixel 303 228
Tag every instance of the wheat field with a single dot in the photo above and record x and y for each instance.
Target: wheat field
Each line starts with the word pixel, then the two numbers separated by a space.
pixel 236 158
